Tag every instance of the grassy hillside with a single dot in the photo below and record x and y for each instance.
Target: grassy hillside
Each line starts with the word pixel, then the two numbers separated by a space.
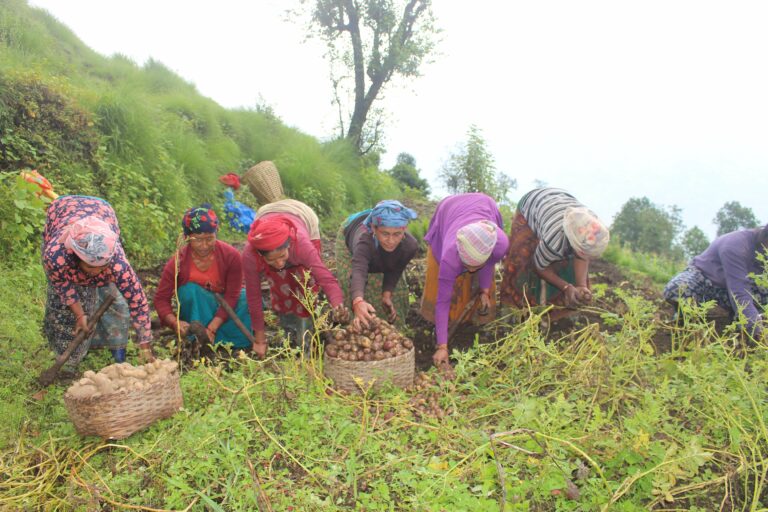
pixel 146 140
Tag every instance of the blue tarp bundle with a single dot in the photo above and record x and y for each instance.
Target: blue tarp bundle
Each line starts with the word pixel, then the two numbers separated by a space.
pixel 239 216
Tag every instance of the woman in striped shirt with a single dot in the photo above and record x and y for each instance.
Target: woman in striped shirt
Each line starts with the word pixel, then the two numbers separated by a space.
pixel 552 239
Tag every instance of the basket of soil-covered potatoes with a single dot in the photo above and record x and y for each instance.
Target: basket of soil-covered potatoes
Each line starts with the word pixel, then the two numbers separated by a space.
pixel 122 399
pixel 355 360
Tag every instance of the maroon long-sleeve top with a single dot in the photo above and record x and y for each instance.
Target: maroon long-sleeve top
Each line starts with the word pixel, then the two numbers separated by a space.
pixel 229 263
pixel 303 252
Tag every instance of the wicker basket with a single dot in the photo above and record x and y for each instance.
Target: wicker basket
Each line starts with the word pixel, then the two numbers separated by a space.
pixel 120 414
pixel 398 370
pixel 263 180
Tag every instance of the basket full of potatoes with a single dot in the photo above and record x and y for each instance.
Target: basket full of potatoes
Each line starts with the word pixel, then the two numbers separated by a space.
pixel 355 359
pixel 121 399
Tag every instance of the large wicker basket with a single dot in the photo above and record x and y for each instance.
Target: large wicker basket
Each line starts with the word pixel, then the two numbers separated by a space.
pixel 263 180
pixel 398 370
pixel 120 414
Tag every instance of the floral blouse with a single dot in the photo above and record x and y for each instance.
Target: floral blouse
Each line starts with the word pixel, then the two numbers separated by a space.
pixel 61 264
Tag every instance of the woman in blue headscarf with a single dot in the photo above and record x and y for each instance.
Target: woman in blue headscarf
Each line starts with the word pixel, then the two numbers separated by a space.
pixel 372 250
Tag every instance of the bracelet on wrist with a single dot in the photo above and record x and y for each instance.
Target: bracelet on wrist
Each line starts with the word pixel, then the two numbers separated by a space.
pixel 567 285
pixel 357 300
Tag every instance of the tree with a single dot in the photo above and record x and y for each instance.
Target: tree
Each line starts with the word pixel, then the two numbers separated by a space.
pixel 406 173
pixel 384 38
pixel 472 169
pixel 694 242
pixel 647 227
pixel 733 216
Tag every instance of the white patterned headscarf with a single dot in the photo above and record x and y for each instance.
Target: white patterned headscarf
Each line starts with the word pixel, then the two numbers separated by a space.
pixel 585 232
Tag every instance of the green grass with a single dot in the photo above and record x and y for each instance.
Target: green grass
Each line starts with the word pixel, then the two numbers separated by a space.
pixel 630 429
pixel 658 268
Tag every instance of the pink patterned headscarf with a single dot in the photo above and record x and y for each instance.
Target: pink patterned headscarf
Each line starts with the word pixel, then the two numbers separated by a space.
pixel 92 240
pixel 475 242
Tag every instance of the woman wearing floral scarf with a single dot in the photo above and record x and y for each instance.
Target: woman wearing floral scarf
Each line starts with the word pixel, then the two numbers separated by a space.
pixel 203 267
pixel 84 262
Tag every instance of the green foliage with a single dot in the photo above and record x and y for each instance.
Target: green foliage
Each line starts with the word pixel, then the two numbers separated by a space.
pixel 22 215
pixel 42 128
pixel 406 173
pixel 660 269
pixel 597 410
pixel 647 227
pixel 472 169
pixel 694 241
pixel 145 140
pixel 733 216
pixel 372 41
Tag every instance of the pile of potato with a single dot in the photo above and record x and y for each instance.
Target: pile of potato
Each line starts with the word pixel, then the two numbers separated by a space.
pixel 121 376
pixel 378 342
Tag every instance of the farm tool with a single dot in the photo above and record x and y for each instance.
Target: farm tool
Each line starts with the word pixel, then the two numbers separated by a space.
pixel 49 375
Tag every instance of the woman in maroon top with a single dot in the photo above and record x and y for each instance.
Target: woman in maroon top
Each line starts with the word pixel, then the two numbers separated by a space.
pixel 206 266
pixel 282 252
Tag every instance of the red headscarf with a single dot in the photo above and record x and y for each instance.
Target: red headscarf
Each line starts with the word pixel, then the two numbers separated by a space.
pixel 269 233
pixel 231 180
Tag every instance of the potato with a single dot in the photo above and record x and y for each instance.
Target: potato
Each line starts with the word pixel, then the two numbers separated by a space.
pixel 82 391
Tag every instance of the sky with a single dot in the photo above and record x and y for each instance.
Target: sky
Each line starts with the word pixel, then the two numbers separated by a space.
pixel 608 99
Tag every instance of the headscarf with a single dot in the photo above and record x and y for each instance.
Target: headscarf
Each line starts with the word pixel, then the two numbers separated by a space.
pixel 476 241
pixel 269 233
pixel 389 214
pixel 231 180
pixel 585 232
pixel 200 219
pixel 91 239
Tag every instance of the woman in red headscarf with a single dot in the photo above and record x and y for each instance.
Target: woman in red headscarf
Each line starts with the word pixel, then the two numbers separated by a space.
pixel 283 245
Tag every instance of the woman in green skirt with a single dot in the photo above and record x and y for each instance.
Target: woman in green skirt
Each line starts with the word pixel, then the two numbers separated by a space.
pixel 372 250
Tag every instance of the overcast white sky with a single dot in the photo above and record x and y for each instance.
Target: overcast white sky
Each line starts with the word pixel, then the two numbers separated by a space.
pixel 607 99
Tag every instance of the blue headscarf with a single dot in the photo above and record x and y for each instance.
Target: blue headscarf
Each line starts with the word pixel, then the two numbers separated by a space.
pixel 389 214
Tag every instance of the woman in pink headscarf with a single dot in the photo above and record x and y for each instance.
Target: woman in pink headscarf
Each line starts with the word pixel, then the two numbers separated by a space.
pixel 84 262
pixel 466 239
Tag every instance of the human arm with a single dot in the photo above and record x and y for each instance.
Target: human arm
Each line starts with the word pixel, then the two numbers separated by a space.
pixel 308 255
pixel 128 284
pixel 735 260
pixel 252 274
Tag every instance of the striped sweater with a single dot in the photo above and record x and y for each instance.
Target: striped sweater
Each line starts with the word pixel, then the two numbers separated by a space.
pixel 544 209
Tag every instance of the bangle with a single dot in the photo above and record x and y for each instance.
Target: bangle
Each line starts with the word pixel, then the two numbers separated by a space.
pixel 567 285
pixel 357 300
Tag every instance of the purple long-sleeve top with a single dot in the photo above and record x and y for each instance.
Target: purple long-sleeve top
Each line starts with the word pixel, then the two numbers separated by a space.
pixel 451 214
pixel 727 262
